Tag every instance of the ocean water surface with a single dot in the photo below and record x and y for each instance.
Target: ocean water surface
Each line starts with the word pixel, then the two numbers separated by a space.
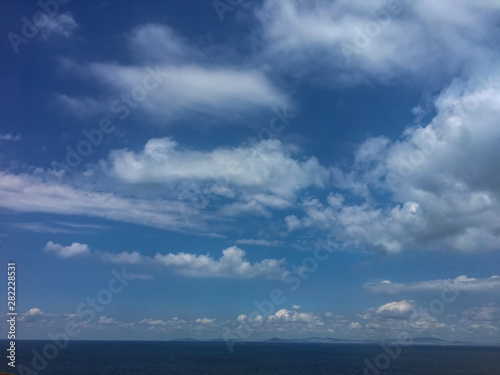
pixel 210 358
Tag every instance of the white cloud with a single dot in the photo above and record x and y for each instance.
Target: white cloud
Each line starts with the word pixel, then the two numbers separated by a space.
pixel 396 309
pixel 459 284
pixel 33 315
pixel 250 207
pixel 241 318
pixel 372 150
pixel 61 25
pixel 36 316
pixel 42 228
pixel 442 183
pixel 154 322
pixel 440 180
pixel 80 106
pixel 191 89
pixel 292 223
pixel 75 249
pixel 258 242
pixel 190 82
pixel 450 198
pixel 400 316
pixel 28 193
pixel 480 322
pixel 10 137
pixel 83 249
pixel 267 174
pixel 231 264
pixel 106 320
pixel 34 311
pixel 488 313
pixel 293 316
pixel 160 43
pixel 390 39
pixel 139 276
pixel 205 320
pixel 124 257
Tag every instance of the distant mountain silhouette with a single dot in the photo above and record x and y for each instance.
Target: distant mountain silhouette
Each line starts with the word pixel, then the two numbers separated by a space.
pixel 331 340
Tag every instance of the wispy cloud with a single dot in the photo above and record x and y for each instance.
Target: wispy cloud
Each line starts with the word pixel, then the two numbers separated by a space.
pixel 10 137
pixel 259 242
pixel 192 84
pixel 195 88
pixel 56 227
pixel 460 283
pixel 27 193
pixel 59 25
pixel 488 313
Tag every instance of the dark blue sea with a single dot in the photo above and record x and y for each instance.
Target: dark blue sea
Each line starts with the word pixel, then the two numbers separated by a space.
pixel 185 358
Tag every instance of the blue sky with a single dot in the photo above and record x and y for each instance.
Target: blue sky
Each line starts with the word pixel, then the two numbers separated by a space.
pixel 253 170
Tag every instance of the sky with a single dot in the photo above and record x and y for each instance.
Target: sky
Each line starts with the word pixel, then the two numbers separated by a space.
pixel 242 170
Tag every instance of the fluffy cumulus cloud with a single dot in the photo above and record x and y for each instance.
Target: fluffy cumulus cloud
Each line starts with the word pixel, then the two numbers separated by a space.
pixel 287 323
pixel 441 179
pixel 231 264
pixel 386 321
pixel 395 317
pixel 459 284
pixel 439 176
pixel 205 320
pixel 401 309
pixel 36 317
pixel 75 249
pixel 436 186
pixel 384 39
pixel 294 316
pixel 264 174
pixel 32 315
pixel 249 179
